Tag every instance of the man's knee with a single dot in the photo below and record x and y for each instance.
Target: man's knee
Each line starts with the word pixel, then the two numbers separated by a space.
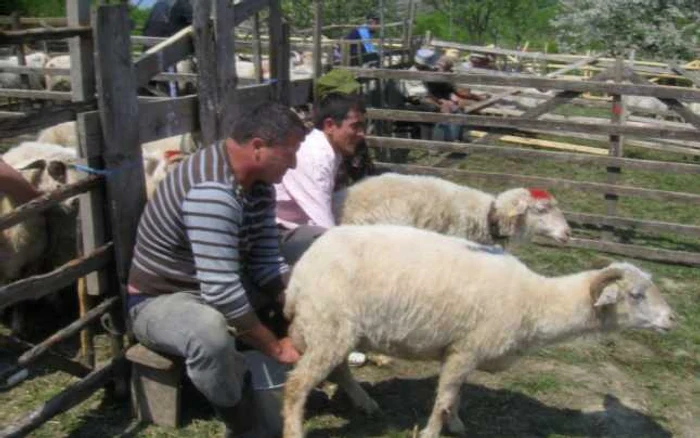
pixel 209 336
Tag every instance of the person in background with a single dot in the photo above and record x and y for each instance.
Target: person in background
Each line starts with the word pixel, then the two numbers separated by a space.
pixel 305 194
pixel 207 258
pixel 368 55
pixel 167 17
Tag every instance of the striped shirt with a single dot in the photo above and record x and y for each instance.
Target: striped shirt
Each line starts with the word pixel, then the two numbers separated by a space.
pixel 200 232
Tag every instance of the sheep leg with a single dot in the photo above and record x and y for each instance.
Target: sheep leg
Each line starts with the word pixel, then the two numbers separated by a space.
pixel 454 372
pixel 313 367
pixel 358 396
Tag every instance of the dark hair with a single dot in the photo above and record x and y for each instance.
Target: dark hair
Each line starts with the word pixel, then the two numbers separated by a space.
pixel 372 16
pixel 337 106
pixel 270 121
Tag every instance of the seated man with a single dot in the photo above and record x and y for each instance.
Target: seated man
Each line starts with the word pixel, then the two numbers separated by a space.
pixel 207 255
pixel 304 197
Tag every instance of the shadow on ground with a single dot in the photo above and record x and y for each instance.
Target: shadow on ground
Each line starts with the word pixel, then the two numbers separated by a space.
pixel 486 413
pixel 406 403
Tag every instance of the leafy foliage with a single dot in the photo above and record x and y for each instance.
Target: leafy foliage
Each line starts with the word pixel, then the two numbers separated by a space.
pixel 656 28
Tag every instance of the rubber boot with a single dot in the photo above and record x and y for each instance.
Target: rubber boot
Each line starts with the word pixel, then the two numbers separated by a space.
pixel 240 420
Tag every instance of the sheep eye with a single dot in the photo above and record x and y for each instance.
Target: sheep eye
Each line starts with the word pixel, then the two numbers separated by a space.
pixel 637 295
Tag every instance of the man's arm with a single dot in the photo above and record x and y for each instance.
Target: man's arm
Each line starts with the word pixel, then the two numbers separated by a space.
pixel 212 220
pixel 13 183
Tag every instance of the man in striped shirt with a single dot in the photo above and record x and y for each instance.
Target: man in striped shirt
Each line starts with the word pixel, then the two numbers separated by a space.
pixel 207 256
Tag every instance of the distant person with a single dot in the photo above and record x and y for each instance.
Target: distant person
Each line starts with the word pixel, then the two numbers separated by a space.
pixel 168 17
pixel 368 55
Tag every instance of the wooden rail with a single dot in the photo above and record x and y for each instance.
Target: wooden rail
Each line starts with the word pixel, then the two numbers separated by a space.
pixel 32 35
pixel 531 82
pixel 34 121
pixel 48 200
pixel 562 157
pixel 552 183
pixel 516 123
pixel 38 286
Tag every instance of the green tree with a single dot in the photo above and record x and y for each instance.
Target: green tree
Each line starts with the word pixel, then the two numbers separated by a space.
pixel 654 28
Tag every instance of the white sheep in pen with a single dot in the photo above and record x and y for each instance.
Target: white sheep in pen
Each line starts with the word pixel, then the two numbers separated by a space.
pixel 12 80
pixel 436 204
pixel 417 294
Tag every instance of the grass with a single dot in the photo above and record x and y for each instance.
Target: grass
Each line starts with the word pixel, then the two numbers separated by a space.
pixel 629 384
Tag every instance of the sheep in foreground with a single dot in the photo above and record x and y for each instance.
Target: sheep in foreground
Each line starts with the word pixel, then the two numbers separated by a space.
pixel 436 204
pixel 417 294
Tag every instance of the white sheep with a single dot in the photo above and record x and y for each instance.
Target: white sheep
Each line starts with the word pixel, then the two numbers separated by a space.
pixel 58 82
pixel 22 245
pixel 417 294
pixel 12 80
pixel 439 205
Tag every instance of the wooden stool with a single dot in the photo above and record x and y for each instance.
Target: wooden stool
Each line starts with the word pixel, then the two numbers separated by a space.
pixel 156 386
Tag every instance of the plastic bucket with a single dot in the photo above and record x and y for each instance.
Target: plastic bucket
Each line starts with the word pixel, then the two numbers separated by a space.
pixel 268 378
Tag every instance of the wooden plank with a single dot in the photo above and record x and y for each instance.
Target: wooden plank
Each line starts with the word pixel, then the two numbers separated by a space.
pixel 15 126
pixel 616 142
pixel 37 21
pixel 556 127
pixel 51 358
pixel 63 401
pixel 206 62
pixel 631 223
pixel 33 35
pixel 257 50
pixel 38 286
pixel 636 251
pixel 67 332
pixel 224 50
pixel 21 60
pixel 44 71
pixel 47 200
pixel 300 92
pixel 167 117
pixel 532 82
pixel 552 183
pixel 560 157
pixel 35 94
pixel 161 56
pixel 318 23
pixel 119 116
pixel 82 68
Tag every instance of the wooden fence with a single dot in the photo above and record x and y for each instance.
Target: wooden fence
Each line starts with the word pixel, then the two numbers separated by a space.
pixel 111 128
pixel 529 121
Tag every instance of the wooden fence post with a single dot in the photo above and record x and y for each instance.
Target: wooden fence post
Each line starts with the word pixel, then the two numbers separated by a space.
pixel 318 23
pixel 257 49
pixel 217 80
pixel 91 225
pixel 616 145
pixel 119 117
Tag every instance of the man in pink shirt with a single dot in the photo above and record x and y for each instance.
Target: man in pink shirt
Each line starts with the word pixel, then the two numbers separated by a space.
pixel 304 197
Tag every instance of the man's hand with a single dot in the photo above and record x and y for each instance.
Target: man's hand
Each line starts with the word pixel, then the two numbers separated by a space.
pixel 286 353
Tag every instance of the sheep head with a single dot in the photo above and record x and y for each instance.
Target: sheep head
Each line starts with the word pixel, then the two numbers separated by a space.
pixel 525 212
pixel 49 175
pixel 625 296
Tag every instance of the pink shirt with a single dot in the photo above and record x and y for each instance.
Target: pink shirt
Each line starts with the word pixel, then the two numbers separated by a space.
pixel 305 193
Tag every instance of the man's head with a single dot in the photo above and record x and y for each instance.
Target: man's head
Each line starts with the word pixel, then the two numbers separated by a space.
pixel 271 133
pixel 342 118
pixel 425 59
pixel 372 19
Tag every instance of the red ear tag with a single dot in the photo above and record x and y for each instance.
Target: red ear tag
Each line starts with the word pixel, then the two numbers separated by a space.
pixel 539 194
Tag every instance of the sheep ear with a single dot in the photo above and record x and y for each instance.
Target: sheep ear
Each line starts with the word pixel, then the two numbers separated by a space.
pixel 603 289
pixel 57 170
pixel 519 208
pixel 609 295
